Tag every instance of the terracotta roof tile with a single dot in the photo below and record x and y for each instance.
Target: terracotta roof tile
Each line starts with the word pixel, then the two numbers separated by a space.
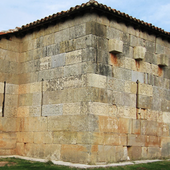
pixel 90 3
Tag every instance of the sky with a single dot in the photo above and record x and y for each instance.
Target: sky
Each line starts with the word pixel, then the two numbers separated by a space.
pixel 15 13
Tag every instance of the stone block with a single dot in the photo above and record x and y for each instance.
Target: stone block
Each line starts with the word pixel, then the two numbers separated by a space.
pixel 165 145
pixel 36 99
pixel 162 60
pixel 75 81
pixel 73 70
pixel 26 124
pixel 10 111
pixel 25 137
pixel 24 88
pixel 115 46
pixel 51 74
pixel 134 152
pixel 166 117
pixel 95 80
pixel 106 154
pixel 1 87
pixel 114 33
pixel 53 85
pixel 165 105
pixel 35 111
pixel 65 137
pixel 137 76
pixel 75 153
pixel 35 87
pixel 7 140
pixel 103 69
pixel 115 84
pixel 125 112
pixel 45 63
pixel 160 49
pixel 73 123
pixel 97 138
pixel 84 138
pixel 11 100
pixel 80 30
pixel 113 139
pixel 97 108
pixel 144 102
pixel 154 152
pixel 149 128
pixel 152 141
pixel 11 89
pixel 40 137
pixel 139 52
pixel 23 111
pixel 72 108
pixel 145 89
pixel 163 129
pixel 95 29
pixel 52 110
pixel 136 126
pixel 121 153
pixel 58 60
pixel 8 124
pixel 108 124
pixel 136 140
pixel 52 152
pixel 25 99
pixel 166 72
pixel 73 57
pixel 151 115
pixel 124 125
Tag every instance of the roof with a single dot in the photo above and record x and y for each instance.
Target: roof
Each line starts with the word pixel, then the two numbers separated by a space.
pixel 89 7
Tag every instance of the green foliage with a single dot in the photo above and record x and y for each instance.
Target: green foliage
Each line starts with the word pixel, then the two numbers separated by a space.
pixel 21 164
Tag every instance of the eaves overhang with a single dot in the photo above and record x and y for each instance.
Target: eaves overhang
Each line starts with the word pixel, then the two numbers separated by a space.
pixel 89 7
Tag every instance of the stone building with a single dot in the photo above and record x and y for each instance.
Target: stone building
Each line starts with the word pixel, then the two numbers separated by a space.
pixel 87 85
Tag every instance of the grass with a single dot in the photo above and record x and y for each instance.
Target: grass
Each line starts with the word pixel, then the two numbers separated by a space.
pixel 20 164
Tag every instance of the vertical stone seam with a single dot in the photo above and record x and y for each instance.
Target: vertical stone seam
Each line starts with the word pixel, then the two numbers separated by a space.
pixel 42 95
pixel 3 104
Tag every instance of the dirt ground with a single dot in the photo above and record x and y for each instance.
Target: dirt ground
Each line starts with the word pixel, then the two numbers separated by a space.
pixel 3 163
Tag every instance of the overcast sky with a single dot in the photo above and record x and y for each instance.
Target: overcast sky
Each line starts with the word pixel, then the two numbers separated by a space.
pixel 15 13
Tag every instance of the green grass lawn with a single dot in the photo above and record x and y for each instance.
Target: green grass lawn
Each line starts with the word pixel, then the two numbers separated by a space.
pixel 20 164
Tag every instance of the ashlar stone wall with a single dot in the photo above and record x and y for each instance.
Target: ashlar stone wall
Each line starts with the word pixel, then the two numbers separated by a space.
pixel 9 67
pixel 87 90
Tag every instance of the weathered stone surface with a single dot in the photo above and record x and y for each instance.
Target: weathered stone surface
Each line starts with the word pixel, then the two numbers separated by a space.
pixel 45 63
pixel 163 60
pixel 144 102
pixel 154 152
pixel 134 152
pixel 165 143
pixel 52 110
pixel 136 140
pixel 72 109
pixel 137 76
pixel 139 52
pixel 95 29
pixel 95 80
pixel 58 60
pixel 108 124
pixel 75 153
pixel 7 140
pixel 73 57
pixel 115 46
pixel 149 128
pixel 71 92
pixel 152 141
pixel 115 139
